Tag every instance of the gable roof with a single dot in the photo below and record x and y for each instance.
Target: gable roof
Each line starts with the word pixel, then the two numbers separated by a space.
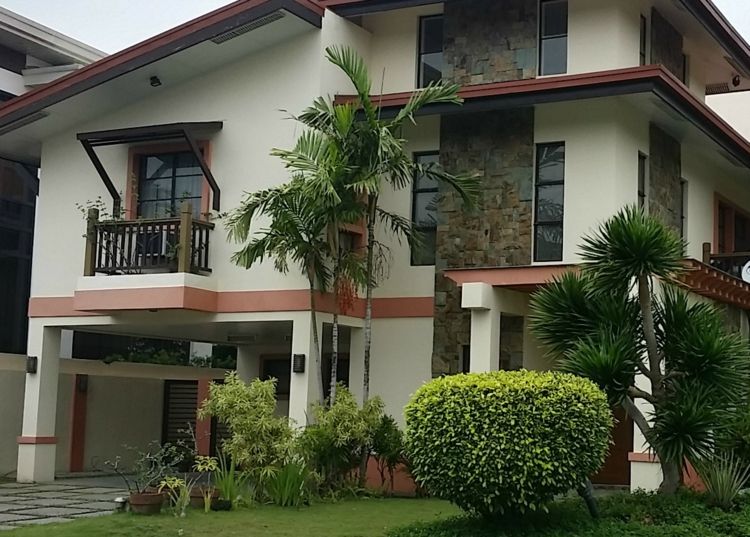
pixel 196 31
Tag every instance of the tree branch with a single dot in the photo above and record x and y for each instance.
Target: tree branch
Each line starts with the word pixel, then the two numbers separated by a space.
pixel 638 418
pixel 649 333
pixel 637 393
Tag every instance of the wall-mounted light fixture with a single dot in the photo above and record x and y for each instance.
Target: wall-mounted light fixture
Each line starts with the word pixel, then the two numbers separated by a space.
pixel 298 363
pixel 155 81
pixel 32 363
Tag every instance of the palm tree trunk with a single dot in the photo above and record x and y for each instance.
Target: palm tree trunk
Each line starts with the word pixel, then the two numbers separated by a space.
pixel 334 349
pixel 316 341
pixel 370 269
pixel 649 333
pixel 671 477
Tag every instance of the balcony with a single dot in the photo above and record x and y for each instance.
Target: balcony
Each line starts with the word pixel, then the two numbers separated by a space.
pixel 167 245
pixel 732 264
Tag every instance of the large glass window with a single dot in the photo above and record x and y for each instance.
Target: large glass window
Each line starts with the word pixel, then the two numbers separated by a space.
pixel 430 50
pixel 548 213
pixel 166 180
pixel 424 212
pixel 553 37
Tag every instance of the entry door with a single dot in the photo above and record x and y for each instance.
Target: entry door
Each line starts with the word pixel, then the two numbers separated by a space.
pixel 616 469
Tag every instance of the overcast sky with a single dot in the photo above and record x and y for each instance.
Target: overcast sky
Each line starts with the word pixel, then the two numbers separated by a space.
pixel 111 25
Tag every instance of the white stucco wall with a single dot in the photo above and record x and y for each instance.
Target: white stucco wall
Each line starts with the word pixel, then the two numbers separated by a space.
pixel 401 361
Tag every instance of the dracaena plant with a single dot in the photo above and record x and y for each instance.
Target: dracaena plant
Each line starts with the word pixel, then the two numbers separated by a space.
pixel 624 322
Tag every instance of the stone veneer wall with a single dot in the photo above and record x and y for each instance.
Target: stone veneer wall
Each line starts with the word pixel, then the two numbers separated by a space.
pixel 665 173
pixel 666 44
pixel 499 147
pixel 490 40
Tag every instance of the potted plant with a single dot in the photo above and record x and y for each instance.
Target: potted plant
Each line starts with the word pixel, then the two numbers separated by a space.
pixel 149 468
pixel 230 485
pixel 202 495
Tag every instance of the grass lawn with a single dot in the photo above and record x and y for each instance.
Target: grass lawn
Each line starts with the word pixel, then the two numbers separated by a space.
pixel 361 518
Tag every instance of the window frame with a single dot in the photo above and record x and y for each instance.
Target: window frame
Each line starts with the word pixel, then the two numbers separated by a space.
pixel 683 207
pixel 420 29
pixel 414 193
pixel 643 40
pixel 174 199
pixel 557 223
pixel 542 38
pixel 642 189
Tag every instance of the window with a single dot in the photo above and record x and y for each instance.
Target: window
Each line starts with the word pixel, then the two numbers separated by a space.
pixel 430 61
pixel 683 208
pixel 549 194
pixel 165 181
pixel 642 180
pixel 644 40
pixel 424 212
pixel 685 73
pixel 553 37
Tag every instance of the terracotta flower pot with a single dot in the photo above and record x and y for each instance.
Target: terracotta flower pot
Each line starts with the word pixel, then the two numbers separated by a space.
pixel 146 503
pixel 196 496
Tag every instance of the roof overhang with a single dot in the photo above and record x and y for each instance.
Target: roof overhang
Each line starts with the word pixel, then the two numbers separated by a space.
pixel 632 81
pixel 712 283
pixel 354 8
pixel 200 45
pixel 187 132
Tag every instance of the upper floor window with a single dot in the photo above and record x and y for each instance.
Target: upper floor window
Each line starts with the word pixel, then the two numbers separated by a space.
pixel 166 180
pixel 553 37
pixel 549 207
pixel 424 212
pixel 683 208
pixel 430 50
pixel 644 40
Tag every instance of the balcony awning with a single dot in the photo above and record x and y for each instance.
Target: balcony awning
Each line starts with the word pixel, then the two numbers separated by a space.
pixel 187 132
pixel 715 284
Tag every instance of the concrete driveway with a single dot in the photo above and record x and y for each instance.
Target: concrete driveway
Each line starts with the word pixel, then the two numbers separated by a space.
pixel 64 500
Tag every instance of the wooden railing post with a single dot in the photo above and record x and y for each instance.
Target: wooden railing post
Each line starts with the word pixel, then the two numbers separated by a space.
pixel 707 253
pixel 89 258
pixel 185 246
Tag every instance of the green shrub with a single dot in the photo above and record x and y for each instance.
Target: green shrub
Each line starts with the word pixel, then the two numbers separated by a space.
pixel 507 441
pixel 724 475
pixel 341 435
pixel 388 448
pixel 684 514
pixel 290 486
pixel 259 439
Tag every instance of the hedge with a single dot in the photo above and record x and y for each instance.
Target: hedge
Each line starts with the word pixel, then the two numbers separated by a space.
pixel 507 441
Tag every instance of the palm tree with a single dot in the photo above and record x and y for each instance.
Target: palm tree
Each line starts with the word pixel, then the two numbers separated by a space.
pixel 316 159
pixel 371 154
pixel 624 323
pixel 296 235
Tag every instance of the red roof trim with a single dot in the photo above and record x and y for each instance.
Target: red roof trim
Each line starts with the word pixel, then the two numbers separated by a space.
pixel 656 75
pixel 153 49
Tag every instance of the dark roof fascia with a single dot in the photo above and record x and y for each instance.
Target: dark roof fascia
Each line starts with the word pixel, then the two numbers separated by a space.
pixel 152 50
pixel 348 8
pixel 523 93
pixel 721 30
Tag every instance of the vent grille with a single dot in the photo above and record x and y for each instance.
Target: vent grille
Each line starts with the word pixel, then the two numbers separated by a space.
pixel 249 27
pixel 716 89
pixel 23 122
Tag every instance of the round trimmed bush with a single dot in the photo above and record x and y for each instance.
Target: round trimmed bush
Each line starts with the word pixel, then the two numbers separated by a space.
pixel 506 442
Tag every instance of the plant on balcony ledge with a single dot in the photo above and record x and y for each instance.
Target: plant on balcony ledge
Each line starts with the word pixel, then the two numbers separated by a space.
pixel 623 323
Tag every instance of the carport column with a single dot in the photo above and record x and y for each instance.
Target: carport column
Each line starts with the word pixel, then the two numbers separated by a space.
pixel 304 387
pixel 37 443
pixel 480 298
pixel 248 363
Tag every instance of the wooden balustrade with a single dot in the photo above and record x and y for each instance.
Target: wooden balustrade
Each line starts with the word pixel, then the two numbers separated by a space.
pixel 147 246
pixel 732 263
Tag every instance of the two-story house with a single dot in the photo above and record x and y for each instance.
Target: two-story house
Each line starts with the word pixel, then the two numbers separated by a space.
pixel 573 109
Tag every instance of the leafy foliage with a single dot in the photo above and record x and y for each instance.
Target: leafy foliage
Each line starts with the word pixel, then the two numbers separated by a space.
pixel 341 435
pixel 388 448
pixel 622 315
pixel 259 438
pixel 230 483
pixel 684 514
pixel 724 476
pixel 290 486
pixel 506 442
pixel 150 466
